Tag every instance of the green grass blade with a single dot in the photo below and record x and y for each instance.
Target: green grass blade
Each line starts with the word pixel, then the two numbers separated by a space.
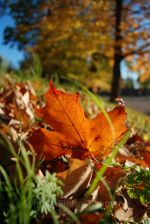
pixel 98 101
pixel 54 217
pixel 101 172
pixel 6 178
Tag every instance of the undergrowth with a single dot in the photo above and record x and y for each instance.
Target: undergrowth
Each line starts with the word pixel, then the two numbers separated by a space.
pixel 28 194
pixel 138 185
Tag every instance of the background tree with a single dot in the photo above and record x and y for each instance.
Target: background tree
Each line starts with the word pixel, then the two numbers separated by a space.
pixel 131 37
pixel 5 66
pixel 65 34
pixel 82 37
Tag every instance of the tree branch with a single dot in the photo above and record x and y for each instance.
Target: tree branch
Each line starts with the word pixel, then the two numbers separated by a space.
pixel 138 50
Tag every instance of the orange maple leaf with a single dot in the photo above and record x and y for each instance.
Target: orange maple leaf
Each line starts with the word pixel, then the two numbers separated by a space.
pixel 73 133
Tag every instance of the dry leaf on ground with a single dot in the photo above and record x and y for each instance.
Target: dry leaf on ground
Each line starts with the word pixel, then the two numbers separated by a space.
pixel 72 132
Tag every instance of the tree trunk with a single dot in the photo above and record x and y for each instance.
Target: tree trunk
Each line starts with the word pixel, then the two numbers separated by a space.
pixel 115 89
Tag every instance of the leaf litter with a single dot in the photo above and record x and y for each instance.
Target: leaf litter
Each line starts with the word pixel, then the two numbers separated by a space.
pixel 75 148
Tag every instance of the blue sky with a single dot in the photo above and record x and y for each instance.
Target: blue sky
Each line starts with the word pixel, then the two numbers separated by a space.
pixel 10 53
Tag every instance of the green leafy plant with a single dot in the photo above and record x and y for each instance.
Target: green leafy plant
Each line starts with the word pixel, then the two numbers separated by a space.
pixel 45 191
pixel 138 185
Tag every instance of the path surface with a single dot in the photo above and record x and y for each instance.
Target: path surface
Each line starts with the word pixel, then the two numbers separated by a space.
pixel 139 103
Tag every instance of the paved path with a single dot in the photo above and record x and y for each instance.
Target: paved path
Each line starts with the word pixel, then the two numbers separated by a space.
pixel 139 103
